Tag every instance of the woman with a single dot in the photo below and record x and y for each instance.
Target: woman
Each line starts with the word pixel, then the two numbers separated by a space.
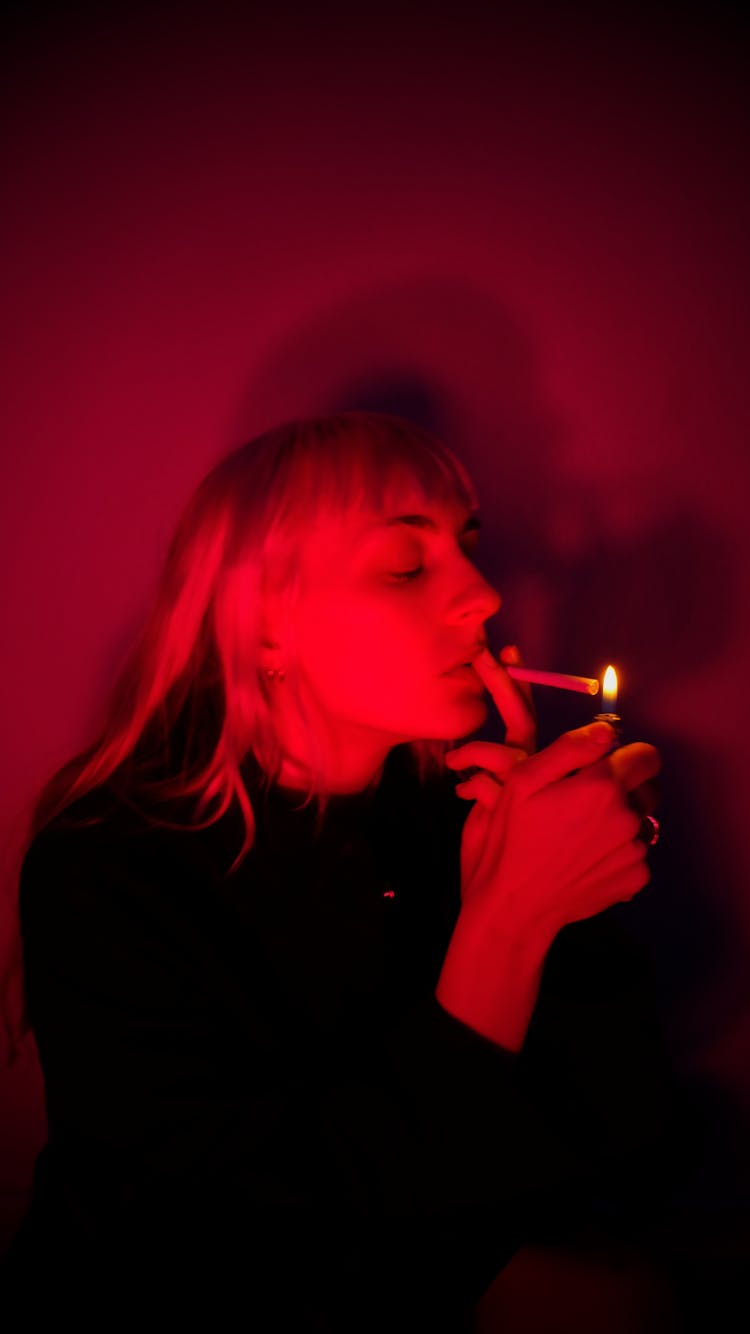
pixel 325 1035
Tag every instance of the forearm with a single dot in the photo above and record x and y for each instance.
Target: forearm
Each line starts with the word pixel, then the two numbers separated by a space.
pixel 490 980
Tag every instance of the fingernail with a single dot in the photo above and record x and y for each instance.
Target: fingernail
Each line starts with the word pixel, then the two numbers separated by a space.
pixel 601 733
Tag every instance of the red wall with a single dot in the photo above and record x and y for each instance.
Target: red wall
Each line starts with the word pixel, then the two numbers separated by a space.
pixel 530 234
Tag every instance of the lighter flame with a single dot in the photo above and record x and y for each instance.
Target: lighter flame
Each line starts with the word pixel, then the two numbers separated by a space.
pixel 609 689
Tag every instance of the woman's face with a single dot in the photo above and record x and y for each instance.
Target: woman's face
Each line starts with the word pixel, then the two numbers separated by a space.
pixel 391 603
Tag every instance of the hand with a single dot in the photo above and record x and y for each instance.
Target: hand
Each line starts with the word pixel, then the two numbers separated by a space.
pixel 551 837
pixel 633 766
pixel 516 707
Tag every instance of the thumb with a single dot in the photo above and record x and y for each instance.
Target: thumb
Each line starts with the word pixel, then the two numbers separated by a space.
pixel 571 751
pixel 635 764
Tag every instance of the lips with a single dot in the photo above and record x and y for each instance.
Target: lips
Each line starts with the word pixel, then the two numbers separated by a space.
pixel 472 652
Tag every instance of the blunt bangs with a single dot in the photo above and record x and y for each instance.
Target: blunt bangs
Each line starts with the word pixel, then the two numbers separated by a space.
pixel 359 463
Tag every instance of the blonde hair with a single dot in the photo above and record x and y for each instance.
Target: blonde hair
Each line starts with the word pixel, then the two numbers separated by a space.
pixel 190 702
pixel 194 669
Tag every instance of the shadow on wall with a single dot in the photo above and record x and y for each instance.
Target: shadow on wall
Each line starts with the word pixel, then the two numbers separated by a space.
pixel 576 592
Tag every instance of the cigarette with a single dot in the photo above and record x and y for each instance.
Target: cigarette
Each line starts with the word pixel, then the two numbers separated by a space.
pixel 585 685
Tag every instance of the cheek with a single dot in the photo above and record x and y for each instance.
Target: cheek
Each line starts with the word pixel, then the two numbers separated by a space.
pixel 330 638
pixel 351 648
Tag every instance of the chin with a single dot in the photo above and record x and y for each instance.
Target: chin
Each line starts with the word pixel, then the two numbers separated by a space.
pixel 471 715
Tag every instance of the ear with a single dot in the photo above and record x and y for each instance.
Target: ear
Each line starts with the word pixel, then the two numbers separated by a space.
pixel 273 627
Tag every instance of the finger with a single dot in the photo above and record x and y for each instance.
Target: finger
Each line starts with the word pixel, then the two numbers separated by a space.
pixel 481 788
pixel 573 750
pixel 499 760
pixel 635 764
pixel 621 875
pixel 646 798
pixel 510 656
pixel 520 724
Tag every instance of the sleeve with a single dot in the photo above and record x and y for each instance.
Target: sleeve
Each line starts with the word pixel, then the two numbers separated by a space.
pixel 597 1047
pixel 589 1110
pixel 182 1143
pixel 163 1126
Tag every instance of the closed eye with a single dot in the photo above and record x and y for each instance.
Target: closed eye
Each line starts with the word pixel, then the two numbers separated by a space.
pixel 470 541
pixel 403 576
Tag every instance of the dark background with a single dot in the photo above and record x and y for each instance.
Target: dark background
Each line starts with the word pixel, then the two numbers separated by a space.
pixel 525 230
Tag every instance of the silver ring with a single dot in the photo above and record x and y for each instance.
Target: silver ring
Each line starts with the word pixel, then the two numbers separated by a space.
pixel 649 830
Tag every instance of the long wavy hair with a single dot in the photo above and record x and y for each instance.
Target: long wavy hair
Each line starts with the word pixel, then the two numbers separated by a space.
pixel 190 702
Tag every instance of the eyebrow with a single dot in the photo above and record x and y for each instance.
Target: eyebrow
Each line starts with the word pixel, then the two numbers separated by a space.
pixel 424 521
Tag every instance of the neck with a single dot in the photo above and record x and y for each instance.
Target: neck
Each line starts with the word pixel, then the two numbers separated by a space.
pixel 348 779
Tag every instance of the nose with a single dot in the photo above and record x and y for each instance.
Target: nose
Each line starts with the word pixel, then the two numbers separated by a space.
pixel 479 599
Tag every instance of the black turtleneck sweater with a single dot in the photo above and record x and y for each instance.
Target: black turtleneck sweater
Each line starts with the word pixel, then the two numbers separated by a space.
pixel 254 1098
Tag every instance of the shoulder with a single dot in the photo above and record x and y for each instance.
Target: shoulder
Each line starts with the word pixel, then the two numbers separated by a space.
pixel 104 856
pixel 114 913
pixel 97 825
